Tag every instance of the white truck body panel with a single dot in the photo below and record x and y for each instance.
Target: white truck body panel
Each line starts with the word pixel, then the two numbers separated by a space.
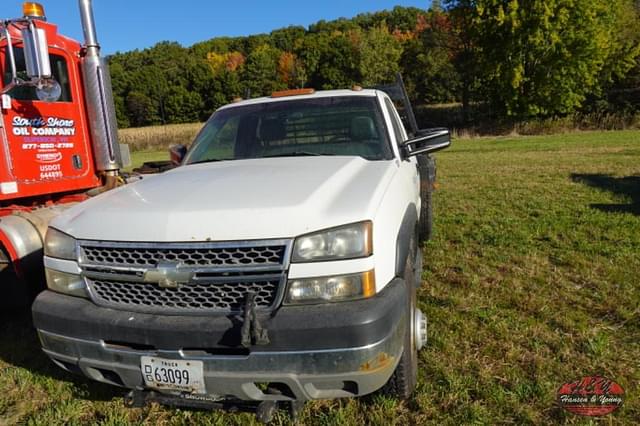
pixel 203 262
pixel 266 198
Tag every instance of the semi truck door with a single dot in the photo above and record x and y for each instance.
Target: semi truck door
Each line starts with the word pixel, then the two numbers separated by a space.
pixel 49 149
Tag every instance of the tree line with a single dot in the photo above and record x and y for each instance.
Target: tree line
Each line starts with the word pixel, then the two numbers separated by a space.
pixel 519 58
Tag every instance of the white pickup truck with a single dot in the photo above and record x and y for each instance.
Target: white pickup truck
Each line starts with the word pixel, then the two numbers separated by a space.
pixel 278 262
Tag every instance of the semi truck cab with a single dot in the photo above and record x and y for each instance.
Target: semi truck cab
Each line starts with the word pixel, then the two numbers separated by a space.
pixel 58 137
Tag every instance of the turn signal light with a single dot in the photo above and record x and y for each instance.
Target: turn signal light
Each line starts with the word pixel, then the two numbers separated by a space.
pixel 32 10
pixel 368 284
pixel 294 92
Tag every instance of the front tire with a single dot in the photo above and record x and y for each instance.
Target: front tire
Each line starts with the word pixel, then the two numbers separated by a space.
pixel 16 293
pixel 403 381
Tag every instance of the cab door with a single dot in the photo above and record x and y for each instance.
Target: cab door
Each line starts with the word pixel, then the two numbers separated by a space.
pixel 48 143
pixel 408 166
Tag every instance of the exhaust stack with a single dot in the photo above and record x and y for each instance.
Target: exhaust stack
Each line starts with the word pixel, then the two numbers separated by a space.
pixel 99 98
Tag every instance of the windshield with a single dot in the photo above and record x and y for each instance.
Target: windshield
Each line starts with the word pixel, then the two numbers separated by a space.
pixel 348 125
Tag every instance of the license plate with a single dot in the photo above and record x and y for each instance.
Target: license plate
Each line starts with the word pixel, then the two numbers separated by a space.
pixel 172 374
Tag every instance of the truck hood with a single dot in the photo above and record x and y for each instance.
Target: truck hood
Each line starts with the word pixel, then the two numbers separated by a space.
pixel 235 200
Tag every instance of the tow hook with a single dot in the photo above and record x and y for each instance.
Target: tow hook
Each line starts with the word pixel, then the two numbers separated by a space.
pixel 267 409
pixel 252 331
pixel 264 410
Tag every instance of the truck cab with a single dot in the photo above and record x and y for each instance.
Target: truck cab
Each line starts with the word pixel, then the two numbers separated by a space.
pixel 278 262
pixel 45 145
pixel 58 138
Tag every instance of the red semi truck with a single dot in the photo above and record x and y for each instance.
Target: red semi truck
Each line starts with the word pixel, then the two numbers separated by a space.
pixel 58 136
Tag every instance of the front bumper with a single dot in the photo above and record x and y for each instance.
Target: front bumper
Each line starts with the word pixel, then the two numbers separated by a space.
pixel 315 351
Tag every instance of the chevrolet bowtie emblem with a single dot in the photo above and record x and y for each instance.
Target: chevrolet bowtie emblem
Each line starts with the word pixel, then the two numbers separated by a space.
pixel 168 275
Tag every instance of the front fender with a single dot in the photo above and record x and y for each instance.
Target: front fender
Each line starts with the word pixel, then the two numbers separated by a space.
pixel 405 241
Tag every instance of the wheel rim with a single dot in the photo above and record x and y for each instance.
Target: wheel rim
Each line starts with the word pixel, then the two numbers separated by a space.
pixel 420 329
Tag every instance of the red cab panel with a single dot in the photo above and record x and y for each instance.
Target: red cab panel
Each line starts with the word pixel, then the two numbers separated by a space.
pixel 45 146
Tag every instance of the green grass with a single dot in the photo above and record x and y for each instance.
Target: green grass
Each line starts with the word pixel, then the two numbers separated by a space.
pixel 140 157
pixel 530 281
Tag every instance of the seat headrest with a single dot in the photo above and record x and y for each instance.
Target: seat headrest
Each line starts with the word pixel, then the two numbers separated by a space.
pixel 272 130
pixel 363 128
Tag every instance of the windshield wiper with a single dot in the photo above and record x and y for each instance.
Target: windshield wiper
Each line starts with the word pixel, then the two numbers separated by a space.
pixel 296 154
pixel 284 154
pixel 212 160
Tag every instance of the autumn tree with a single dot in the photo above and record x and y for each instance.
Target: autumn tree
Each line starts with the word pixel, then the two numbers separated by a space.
pixel 260 73
pixel 524 58
pixel 287 39
pixel 181 105
pixel 291 70
pixel 620 75
pixel 428 59
pixel 141 109
pixel 379 53
pixel 229 61
pixel 542 57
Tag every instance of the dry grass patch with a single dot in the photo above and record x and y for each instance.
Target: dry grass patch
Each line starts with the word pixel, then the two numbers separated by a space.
pixel 156 138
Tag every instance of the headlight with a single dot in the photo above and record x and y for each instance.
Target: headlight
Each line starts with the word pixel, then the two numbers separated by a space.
pixel 345 242
pixel 331 289
pixel 63 282
pixel 59 245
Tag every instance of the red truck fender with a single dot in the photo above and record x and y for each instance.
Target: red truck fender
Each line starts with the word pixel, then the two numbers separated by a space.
pixel 21 241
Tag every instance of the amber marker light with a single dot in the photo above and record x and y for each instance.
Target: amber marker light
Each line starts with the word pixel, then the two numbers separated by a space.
pixel 294 92
pixel 368 284
pixel 32 10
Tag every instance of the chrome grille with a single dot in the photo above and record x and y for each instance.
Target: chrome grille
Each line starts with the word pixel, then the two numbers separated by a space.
pixel 197 297
pixel 183 278
pixel 200 256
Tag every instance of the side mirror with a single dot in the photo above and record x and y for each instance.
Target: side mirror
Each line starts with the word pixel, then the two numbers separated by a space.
pixel 427 141
pixel 177 154
pixel 36 58
pixel 36 52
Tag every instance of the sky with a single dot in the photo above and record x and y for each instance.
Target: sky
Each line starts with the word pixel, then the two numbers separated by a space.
pixel 136 24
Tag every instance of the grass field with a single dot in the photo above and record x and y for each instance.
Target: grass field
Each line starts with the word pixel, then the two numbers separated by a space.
pixel 531 281
pixel 158 137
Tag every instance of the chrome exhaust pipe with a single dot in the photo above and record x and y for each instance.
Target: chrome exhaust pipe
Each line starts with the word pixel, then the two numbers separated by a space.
pixel 99 98
pixel 88 24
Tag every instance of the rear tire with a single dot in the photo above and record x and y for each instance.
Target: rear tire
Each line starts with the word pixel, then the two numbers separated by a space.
pixel 427 169
pixel 425 231
pixel 403 381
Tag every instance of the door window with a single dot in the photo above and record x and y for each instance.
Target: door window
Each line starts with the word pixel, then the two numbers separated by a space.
pixel 28 93
pixel 397 129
